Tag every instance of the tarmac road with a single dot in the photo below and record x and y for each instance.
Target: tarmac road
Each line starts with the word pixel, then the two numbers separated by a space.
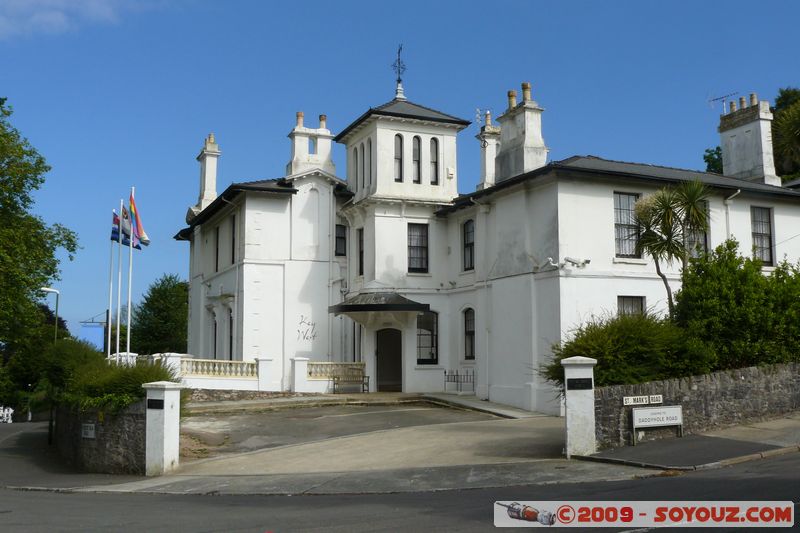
pixel 457 510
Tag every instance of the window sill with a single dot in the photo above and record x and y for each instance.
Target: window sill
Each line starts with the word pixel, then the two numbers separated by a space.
pixel 468 361
pixel 420 274
pixel 629 261
pixel 465 272
pixel 767 268
pixel 429 367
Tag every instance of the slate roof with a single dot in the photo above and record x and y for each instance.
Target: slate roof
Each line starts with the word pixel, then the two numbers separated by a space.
pixel 403 109
pixel 598 167
pixel 274 186
pixel 378 301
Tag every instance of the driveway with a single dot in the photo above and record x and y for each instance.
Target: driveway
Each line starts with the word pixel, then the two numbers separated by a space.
pixel 218 434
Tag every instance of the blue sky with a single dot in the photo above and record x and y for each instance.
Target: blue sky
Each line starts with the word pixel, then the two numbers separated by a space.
pixel 122 93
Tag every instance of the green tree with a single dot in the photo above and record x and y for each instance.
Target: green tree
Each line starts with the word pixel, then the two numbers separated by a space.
pixel 28 245
pixel 713 159
pixel 786 134
pixel 160 322
pixel 668 221
pixel 787 97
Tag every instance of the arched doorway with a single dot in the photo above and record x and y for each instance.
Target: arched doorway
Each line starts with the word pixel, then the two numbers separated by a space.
pixel 389 360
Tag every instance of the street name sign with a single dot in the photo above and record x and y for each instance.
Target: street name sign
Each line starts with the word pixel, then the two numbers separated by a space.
pixel 648 417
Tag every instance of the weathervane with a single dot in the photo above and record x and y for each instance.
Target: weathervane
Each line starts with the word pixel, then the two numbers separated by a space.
pixel 399 67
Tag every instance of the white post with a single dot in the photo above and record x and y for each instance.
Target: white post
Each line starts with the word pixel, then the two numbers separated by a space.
pixel 300 374
pixel 173 362
pixel 266 375
pixel 579 395
pixel 162 434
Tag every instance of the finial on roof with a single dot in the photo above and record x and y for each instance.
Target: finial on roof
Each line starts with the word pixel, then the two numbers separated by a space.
pixel 399 67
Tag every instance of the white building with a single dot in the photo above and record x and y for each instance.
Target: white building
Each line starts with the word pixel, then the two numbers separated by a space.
pixel 393 268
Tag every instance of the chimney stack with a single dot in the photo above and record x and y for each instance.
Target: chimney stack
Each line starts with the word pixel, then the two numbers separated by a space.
pixel 208 175
pixel 746 141
pixel 489 138
pixel 526 91
pixel 512 99
pixel 521 147
pixel 311 148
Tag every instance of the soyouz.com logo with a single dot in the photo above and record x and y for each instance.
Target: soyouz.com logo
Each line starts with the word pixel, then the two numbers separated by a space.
pixel 746 514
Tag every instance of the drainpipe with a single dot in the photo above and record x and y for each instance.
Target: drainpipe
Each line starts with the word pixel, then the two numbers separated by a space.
pixel 728 212
pixel 488 316
pixel 331 259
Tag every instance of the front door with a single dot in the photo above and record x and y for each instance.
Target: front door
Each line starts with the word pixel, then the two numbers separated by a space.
pixel 389 359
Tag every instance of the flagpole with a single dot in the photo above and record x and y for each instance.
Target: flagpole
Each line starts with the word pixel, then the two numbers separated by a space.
pixel 130 277
pixel 110 298
pixel 119 275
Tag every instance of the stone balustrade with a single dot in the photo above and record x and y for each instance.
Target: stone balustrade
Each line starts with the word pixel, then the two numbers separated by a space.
pixel 214 368
pixel 326 371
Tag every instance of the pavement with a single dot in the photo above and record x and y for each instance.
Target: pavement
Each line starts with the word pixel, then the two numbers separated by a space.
pixel 395 443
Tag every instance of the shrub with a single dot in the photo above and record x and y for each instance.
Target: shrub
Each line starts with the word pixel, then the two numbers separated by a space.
pixel 104 384
pixel 742 317
pixel 630 349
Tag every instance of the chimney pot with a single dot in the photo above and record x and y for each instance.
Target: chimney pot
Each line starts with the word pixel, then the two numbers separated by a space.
pixel 299 119
pixel 512 99
pixel 211 139
pixel 488 118
pixel 733 105
pixel 742 102
pixel 753 99
pixel 323 122
pixel 526 91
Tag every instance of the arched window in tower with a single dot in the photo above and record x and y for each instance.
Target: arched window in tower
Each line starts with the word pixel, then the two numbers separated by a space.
pixel 355 168
pixel 361 166
pixel 398 157
pixel 369 161
pixel 415 160
pixel 434 162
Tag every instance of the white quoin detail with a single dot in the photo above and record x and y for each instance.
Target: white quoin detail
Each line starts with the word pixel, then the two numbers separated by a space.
pixel 746 140
pixel 522 147
pixel 208 172
pixel 311 148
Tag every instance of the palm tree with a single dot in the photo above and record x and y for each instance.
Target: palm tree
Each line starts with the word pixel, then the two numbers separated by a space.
pixel 668 220
pixel 787 137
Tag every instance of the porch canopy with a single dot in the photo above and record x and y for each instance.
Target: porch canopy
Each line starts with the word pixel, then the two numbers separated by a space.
pixel 368 307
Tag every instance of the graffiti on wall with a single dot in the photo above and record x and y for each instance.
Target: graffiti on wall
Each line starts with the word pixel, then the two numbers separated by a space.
pixel 306 329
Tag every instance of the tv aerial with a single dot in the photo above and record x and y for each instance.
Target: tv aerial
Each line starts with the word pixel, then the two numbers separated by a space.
pixel 723 99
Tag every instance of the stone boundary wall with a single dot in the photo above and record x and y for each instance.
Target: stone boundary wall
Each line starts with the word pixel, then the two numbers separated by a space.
pixel 118 446
pixel 710 401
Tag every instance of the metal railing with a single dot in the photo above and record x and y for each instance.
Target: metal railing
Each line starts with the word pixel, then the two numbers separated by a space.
pixel 317 370
pixel 222 369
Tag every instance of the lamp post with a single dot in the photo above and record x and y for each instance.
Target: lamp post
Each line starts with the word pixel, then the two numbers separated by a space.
pixel 54 291
pixel 55 340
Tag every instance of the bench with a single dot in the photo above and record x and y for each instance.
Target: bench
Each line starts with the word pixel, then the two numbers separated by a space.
pixel 351 375
pixel 6 415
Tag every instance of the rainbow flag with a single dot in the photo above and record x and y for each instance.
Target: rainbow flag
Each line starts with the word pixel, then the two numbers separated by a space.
pixel 138 230
pixel 115 225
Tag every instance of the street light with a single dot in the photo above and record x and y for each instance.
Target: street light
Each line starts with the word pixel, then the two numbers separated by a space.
pixel 54 291
pixel 55 340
